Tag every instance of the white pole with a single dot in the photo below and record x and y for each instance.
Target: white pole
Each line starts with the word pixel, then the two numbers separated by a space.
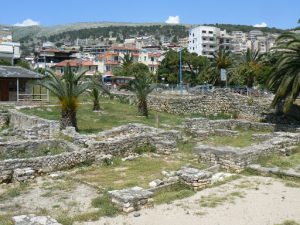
pixel 17 89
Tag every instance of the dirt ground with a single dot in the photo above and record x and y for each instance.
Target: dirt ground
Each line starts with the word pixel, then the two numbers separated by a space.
pixel 246 201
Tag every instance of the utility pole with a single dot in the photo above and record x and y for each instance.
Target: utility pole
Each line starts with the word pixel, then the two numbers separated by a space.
pixel 180 70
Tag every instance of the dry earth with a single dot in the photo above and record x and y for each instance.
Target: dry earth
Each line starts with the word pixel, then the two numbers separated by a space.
pixel 247 201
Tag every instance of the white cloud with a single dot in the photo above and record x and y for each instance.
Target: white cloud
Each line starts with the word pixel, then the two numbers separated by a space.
pixel 263 24
pixel 173 20
pixel 27 22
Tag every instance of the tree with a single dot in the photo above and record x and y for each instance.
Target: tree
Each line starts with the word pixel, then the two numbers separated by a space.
pixel 23 63
pixel 285 77
pixel 141 86
pixel 138 68
pixel 67 89
pixel 97 88
pixel 249 66
pixel 127 61
pixel 222 59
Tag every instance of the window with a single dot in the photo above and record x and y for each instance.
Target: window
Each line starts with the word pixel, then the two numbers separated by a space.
pixel 193 48
pixel 193 41
pixel 211 46
pixel 152 59
pixel 145 58
pixel 204 32
pixel 211 39
pixel 204 39
pixel 204 46
pixel 116 58
pixel 210 32
pixel 193 34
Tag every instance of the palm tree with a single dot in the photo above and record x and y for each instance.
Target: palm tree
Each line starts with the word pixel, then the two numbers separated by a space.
pixel 249 66
pixel 67 89
pixel 97 88
pixel 127 61
pixel 221 60
pixel 141 86
pixel 285 77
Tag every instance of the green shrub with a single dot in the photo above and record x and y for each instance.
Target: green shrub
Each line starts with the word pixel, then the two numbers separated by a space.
pixel 147 147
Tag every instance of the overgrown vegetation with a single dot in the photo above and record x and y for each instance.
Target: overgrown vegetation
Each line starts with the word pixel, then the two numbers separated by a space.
pixel 147 147
pixel 243 139
pixel 174 192
pixel 284 162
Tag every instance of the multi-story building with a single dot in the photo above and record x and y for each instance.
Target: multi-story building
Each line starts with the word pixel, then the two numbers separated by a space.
pixel 48 55
pixel 204 40
pixel 10 51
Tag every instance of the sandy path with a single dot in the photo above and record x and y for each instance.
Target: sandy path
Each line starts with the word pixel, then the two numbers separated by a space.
pixel 266 201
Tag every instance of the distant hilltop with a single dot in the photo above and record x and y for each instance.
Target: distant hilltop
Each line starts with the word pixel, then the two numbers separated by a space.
pixel 47 31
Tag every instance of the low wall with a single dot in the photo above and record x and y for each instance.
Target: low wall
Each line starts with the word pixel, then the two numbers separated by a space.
pixel 4 119
pixel 220 101
pixel 33 127
pixel 19 149
pixel 115 142
pixel 231 158
pixel 194 125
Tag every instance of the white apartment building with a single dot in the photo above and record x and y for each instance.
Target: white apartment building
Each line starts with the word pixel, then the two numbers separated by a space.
pixel 10 51
pixel 204 40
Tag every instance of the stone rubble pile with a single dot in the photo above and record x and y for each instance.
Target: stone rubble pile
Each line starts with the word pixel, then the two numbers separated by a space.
pixel 23 174
pixel 131 199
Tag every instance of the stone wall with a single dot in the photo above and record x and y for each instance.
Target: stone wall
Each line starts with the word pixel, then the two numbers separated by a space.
pixel 4 119
pixel 19 149
pixel 202 127
pixel 115 142
pixel 220 101
pixel 231 158
pixel 33 127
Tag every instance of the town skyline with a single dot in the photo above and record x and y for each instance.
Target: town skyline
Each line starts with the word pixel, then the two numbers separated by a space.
pixel 278 14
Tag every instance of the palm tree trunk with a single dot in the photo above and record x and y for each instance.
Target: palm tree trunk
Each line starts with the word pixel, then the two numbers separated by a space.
pixel 96 105
pixel 68 119
pixel 143 108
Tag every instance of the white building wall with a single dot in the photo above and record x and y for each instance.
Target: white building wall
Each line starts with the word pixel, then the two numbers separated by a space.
pixel 203 40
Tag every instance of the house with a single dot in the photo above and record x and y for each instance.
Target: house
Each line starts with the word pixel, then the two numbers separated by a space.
pixel 77 65
pixel 18 84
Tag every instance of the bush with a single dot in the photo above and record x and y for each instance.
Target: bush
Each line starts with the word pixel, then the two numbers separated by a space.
pixel 147 147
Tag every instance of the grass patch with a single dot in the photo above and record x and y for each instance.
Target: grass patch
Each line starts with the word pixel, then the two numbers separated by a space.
pixel 6 220
pixel 114 114
pixel 119 175
pixel 242 140
pixel 283 162
pixel 288 222
pixel 104 208
pixel 14 192
pixel 212 201
pixel 147 147
pixel 174 192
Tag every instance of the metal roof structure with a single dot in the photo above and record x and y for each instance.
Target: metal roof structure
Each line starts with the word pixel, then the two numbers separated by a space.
pixel 18 72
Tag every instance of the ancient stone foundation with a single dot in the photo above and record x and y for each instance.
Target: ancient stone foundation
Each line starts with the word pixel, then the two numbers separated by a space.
pixel 132 199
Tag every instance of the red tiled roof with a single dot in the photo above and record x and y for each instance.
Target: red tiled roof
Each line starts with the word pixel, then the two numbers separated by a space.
pixel 109 62
pixel 75 63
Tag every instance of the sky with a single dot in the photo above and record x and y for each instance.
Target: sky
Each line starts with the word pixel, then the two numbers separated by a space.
pixel 271 13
